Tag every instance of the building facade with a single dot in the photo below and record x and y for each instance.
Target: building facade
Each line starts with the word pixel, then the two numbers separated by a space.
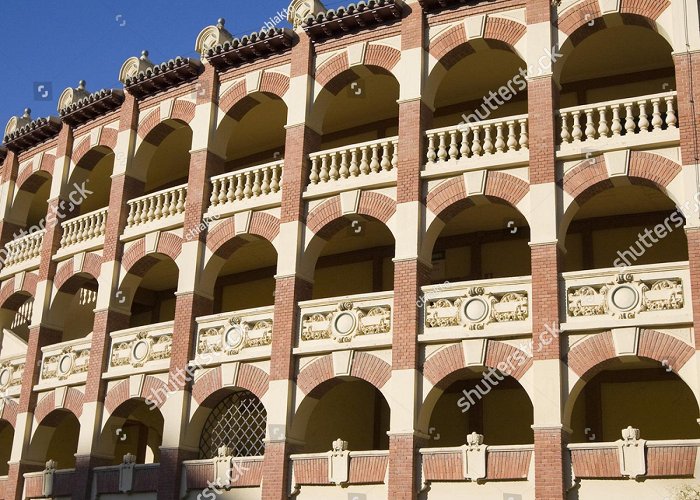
pixel 426 249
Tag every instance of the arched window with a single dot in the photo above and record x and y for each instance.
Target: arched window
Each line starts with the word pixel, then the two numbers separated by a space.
pixel 239 422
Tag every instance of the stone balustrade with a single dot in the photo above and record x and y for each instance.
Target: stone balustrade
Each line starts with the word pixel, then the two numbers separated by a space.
pixel 24 249
pixel 255 184
pixel 84 228
pixel 142 348
pixel 157 206
pixel 66 362
pixel 226 470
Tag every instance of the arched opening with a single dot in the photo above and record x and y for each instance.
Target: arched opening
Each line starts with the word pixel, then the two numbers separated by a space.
pixel 483 241
pixel 7 434
pixel 154 299
pixel 134 427
pixel 246 278
pixel 356 106
pixel 163 160
pixel 15 317
pixel 72 309
pixel 94 170
pixel 625 226
pixel 355 257
pixel 637 62
pixel 492 404
pixel 643 394
pixel 253 131
pixel 56 438
pixel 238 421
pixel 30 205
pixel 348 408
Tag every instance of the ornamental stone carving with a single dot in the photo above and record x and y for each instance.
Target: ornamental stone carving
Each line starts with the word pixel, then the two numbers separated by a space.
pixel 476 309
pixel 142 348
pixel 625 297
pixel 474 457
pixel 346 322
pixel 632 453
pixel 67 362
pixel 300 10
pixel 236 335
pixel 10 374
pixel 135 65
pixel 72 95
pixel 338 462
pixel 211 36
pixel 17 122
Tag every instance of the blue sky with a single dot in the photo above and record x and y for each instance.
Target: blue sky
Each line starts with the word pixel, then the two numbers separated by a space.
pixel 58 42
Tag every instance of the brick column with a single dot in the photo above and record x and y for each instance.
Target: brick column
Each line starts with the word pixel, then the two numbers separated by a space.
pixel 543 101
pixel 40 335
pixel 410 272
pixel 190 302
pixel 108 316
pixel 290 287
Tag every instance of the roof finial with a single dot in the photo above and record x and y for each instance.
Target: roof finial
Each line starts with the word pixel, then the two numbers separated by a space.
pixel 144 55
pixel 220 23
pixel 27 113
pixel 81 85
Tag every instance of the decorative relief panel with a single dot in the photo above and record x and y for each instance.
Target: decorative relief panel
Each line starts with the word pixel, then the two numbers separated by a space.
pixel 346 322
pixel 141 348
pixel 625 297
pixel 11 372
pixel 69 360
pixel 234 336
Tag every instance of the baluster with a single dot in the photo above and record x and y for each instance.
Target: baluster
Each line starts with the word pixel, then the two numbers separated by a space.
pixel 488 142
pixel 643 120
pixel 80 233
pixel 313 176
pixel 671 119
pixel 374 165
pixel 275 182
pixel 386 163
pixel 354 166
pixel 130 218
pixel 476 142
pixel 524 140
pixel 248 190
pixel 577 132
pixel 265 188
pixel 344 170
pixel 230 188
pixel 90 227
pixel 64 234
pixel 442 149
pixel 160 212
pixel 334 173
pixel 324 169
pixel 364 162
pixel 181 201
pixel 103 222
pixel 151 209
pixel 590 129
pixel 214 198
pixel 616 123
pixel 432 155
pixel 500 143
pixel 239 187
pixel 656 120
pixel 603 129
pixel 464 149
pixel 565 135
pixel 629 118
pixel 170 204
pixel 512 143
pixel 453 151
pixel 256 183
pixel 394 154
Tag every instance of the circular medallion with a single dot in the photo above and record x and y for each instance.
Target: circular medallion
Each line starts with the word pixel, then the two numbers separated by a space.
pixel 140 350
pixel 234 337
pixel 5 377
pixel 475 309
pixel 65 364
pixel 344 324
pixel 624 297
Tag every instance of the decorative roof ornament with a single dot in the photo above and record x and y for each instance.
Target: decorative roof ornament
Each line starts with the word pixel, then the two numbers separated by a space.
pixel 72 95
pixel 300 10
pixel 133 66
pixel 17 122
pixel 211 36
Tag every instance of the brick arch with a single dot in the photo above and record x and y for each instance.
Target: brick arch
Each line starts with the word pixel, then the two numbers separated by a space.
pixel 73 403
pixel 27 173
pixel 8 287
pixel 108 139
pixel 450 197
pixel 365 366
pixel 377 56
pixel 596 353
pixel 9 412
pixel 585 180
pixel 440 368
pixel 262 224
pixel 232 96
pixel 271 82
pixel 327 218
pixel 576 21
pixel 183 110
pixel 91 265
pixel 168 244
pixel 451 46
pixel 119 394
pixel 250 378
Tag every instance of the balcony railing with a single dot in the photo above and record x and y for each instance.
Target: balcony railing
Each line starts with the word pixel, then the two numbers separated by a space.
pixel 229 472
pixel 488 138
pixel 496 306
pixel 49 483
pixel 362 319
pixel 221 337
pixel 254 184
pixel 651 294
pixel 128 477
pixel 24 249
pixel 84 228
pixel 65 362
pixel 11 372
pixel 143 348
pixel 648 118
pixel 366 162
pixel 157 206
